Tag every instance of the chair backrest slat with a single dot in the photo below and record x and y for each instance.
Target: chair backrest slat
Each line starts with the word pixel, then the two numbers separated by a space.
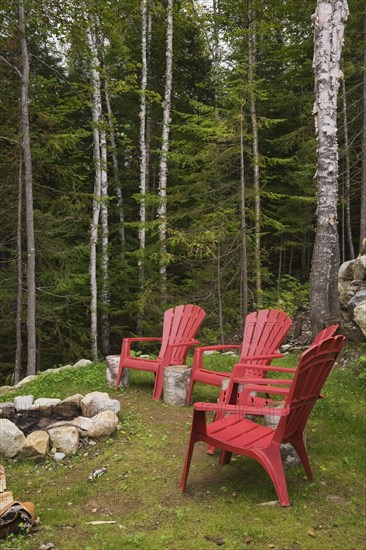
pixel 180 324
pixel 264 331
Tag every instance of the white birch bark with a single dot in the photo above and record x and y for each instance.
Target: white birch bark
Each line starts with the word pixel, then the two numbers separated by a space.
pixel 329 23
pixel 28 178
pixel 163 168
pixel 96 117
pixel 143 148
pixel 256 175
pixel 105 293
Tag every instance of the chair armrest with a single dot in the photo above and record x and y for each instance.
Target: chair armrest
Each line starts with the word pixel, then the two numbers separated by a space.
pixel 242 410
pixel 198 353
pixel 260 381
pixel 264 368
pixel 130 340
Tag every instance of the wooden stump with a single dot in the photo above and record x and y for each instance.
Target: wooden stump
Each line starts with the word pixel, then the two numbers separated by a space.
pixel 111 370
pixel 176 382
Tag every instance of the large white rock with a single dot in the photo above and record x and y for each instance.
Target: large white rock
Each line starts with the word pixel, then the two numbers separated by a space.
pixel 25 381
pixel 45 402
pixel 11 438
pixel 359 269
pixel 65 439
pixel 101 425
pixel 96 402
pixel 36 445
pixel 345 272
pixel 23 402
pixel 83 363
pixel 359 316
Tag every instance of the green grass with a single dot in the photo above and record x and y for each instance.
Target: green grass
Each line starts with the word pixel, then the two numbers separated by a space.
pixel 140 490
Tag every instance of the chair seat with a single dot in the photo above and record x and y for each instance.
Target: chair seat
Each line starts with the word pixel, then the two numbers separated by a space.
pixel 236 432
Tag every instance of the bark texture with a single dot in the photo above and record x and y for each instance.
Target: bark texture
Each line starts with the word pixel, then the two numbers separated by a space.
pixel 163 168
pixel 329 23
pixel 28 179
pixel 96 115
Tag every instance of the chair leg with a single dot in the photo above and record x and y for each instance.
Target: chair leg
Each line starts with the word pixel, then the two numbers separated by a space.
pixel 225 457
pixel 119 376
pixel 297 441
pixel 271 461
pixel 190 390
pixel 159 382
pixel 186 467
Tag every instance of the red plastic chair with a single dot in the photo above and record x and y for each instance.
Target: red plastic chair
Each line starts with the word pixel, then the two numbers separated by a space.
pixel 236 434
pixel 180 326
pixel 243 374
pixel 263 333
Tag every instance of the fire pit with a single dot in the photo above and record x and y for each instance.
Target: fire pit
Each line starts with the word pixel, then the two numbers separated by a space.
pixel 30 428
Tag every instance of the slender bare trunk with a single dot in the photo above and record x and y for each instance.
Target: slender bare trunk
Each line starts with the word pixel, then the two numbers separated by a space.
pixel 18 321
pixel 347 207
pixel 28 178
pixel 244 266
pixel 163 168
pixel 219 294
pixel 96 116
pixel 256 180
pixel 143 155
pixel 329 23
pixel 115 167
pixel 105 293
pixel 363 186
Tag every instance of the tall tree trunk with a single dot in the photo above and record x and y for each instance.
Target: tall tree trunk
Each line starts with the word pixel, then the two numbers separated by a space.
pixel 96 117
pixel 256 180
pixel 163 168
pixel 329 22
pixel 143 156
pixel 363 187
pixel 244 265
pixel 347 206
pixel 105 293
pixel 115 167
pixel 219 294
pixel 18 322
pixel 28 178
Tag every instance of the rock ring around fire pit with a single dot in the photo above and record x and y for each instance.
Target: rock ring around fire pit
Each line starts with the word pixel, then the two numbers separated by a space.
pixel 29 429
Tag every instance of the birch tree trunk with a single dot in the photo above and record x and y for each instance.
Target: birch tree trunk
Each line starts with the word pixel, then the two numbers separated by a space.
pixel 143 154
pixel 363 187
pixel 329 22
pixel 105 293
pixel 163 168
pixel 244 266
pixel 28 179
pixel 18 321
pixel 256 180
pixel 96 116
pixel 347 187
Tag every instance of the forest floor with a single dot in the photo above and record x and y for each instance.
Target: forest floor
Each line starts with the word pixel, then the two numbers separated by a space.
pixel 223 506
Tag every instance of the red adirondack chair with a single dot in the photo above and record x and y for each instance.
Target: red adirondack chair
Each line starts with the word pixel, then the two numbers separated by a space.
pixel 242 375
pixel 180 326
pixel 236 434
pixel 263 333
